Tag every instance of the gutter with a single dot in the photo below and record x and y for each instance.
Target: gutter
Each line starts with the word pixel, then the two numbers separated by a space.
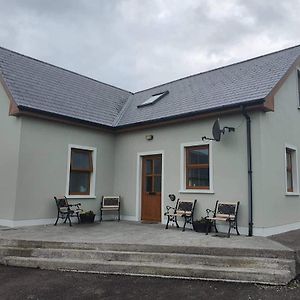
pixel 250 179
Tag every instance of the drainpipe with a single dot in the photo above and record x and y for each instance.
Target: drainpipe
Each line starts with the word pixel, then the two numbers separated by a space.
pixel 250 184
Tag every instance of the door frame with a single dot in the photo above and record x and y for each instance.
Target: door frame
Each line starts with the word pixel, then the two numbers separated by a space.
pixel 139 174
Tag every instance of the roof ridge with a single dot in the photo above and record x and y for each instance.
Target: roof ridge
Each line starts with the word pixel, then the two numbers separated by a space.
pixel 218 68
pixel 58 67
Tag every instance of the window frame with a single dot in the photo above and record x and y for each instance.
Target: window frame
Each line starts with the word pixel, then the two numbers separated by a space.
pixel 184 188
pixel 294 170
pixel 91 171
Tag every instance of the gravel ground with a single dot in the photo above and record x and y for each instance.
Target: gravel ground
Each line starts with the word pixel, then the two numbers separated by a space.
pixel 22 283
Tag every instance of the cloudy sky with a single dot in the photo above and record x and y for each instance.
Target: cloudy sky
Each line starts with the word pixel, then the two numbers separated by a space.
pixel 135 44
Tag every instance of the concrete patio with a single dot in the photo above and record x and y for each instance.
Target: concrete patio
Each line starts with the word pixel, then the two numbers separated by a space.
pixel 135 248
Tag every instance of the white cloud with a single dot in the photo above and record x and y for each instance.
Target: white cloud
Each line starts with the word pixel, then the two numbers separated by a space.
pixel 135 44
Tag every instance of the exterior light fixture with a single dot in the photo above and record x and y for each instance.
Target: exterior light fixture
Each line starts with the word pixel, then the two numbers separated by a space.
pixel 149 137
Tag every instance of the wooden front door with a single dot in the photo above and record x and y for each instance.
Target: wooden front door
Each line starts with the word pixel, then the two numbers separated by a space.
pixel 151 188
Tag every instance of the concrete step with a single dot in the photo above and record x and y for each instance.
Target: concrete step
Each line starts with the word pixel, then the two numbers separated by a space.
pixel 217 251
pixel 206 272
pixel 170 258
pixel 243 265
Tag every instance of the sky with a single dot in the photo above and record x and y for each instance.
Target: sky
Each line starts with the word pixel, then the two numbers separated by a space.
pixel 136 44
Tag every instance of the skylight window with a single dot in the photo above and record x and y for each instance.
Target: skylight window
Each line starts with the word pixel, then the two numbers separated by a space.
pixel 153 99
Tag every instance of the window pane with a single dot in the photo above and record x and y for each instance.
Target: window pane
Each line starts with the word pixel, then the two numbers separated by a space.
pixel 289 182
pixel 80 160
pixel 157 166
pixel 149 166
pixel 197 177
pixel 149 184
pixel 79 183
pixel 157 184
pixel 289 159
pixel 198 156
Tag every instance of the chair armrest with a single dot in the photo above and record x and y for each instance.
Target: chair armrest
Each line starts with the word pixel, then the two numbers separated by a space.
pixel 168 208
pixel 208 211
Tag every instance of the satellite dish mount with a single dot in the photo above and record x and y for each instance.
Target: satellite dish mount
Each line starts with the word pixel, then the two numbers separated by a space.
pixel 217 132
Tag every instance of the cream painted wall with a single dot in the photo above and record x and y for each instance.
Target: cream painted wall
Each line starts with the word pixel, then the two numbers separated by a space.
pixel 229 162
pixel 43 166
pixel 277 129
pixel 10 128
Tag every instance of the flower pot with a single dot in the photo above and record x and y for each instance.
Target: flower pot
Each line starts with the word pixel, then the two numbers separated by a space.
pixel 201 226
pixel 87 218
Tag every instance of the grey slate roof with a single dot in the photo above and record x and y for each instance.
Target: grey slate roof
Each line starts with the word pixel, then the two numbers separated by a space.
pixel 239 83
pixel 47 88
pixel 44 87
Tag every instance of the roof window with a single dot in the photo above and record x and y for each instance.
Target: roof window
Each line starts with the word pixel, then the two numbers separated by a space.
pixel 154 98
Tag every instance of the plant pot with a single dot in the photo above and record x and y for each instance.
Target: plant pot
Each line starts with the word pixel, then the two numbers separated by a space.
pixel 84 218
pixel 201 226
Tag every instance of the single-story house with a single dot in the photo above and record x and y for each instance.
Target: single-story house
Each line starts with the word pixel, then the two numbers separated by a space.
pixel 66 134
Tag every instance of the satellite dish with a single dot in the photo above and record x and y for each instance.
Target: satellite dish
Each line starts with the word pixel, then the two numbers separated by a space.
pixel 216 131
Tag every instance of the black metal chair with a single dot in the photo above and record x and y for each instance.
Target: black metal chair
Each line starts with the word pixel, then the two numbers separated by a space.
pixel 183 208
pixel 66 211
pixel 110 203
pixel 226 212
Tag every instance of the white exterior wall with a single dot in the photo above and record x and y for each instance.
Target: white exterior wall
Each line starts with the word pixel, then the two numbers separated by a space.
pixel 279 128
pixel 43 168
pixel 229 163
pixel 10 128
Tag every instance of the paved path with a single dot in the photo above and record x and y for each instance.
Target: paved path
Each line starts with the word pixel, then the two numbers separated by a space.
pixel 135 233
pixel 21 283
pixel 290 239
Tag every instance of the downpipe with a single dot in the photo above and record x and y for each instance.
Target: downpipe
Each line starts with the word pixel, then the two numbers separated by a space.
pixel 250 183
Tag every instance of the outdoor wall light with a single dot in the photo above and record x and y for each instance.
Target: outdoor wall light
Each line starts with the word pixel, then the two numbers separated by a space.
pixel 149 137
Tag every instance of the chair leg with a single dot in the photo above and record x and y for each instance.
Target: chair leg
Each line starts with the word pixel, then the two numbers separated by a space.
pixel 176 222
pixel 100 215
pixel 118 215
pixel 236 228
pixel 185 220
pixel 56 220
pixel 207 223
pixel 68 218
pixel 167 225
pixel 228 234
pixel 78 217
pixel 215 225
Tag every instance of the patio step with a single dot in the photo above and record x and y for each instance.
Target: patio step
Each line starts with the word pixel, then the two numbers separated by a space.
pixel 159 269
pixel 210 267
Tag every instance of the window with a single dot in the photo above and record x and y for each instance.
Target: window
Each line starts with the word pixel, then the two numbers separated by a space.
pixel 197 167
pixel 291 170
pixel 153 99
pixel 81 171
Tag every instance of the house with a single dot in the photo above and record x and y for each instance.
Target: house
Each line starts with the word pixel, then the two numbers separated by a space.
pixel 62 133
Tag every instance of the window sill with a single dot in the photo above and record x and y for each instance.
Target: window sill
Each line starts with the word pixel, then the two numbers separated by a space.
pixel 292 194
pixel 81 196
pixel 196 192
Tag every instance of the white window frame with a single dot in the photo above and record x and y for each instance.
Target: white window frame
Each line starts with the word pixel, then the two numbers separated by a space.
pixel 294 170
pixel 93 174
pixel 183 189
